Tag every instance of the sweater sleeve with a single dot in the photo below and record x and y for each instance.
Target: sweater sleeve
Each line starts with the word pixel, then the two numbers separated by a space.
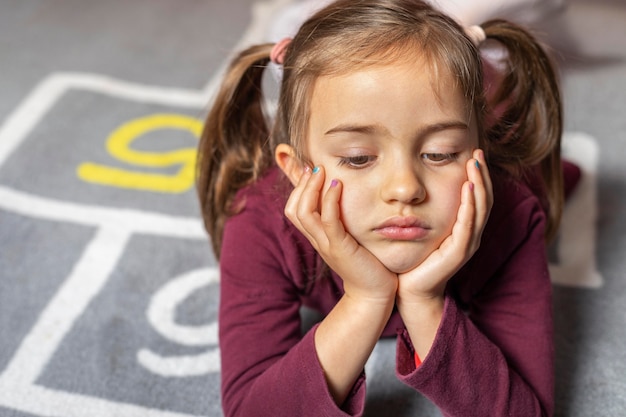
pixel 499 355
pixel 268 367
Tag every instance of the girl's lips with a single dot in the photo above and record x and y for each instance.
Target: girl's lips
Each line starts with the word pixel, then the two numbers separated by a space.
pixel 403 228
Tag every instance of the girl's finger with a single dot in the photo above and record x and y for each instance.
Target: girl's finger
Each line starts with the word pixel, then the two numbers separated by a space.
pixel 331 212
pixel 291 207
pixel 308 210
pixel 478 175
pixel 485 177
pixel 464 227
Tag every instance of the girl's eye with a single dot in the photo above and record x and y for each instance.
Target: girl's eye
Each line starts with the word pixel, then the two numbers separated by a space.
pixel 359 161
pixel 440 158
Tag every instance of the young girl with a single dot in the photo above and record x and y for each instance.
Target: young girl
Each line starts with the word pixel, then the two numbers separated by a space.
pixel 369 199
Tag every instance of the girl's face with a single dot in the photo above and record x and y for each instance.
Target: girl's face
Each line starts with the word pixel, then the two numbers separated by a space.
pixel 400 149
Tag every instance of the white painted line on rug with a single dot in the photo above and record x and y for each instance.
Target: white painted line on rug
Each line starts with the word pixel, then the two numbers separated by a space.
pixel 19 123
pixel 43 401
pixel 180 366
pixel 165 302
pixel 162 316
pixel 34 107
pixel 85 281
pixel 133 91
pixel 132 221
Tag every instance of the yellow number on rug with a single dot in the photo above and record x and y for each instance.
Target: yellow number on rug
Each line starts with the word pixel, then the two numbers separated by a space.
pixel 119 146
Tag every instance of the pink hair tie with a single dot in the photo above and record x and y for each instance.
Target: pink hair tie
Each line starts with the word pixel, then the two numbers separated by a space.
pixel 476 34
pixel 277 56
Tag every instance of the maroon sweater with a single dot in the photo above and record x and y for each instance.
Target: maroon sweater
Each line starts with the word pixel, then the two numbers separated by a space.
pixel 493 352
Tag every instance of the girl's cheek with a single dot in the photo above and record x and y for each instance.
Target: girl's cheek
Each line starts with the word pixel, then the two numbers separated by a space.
pixel 351 204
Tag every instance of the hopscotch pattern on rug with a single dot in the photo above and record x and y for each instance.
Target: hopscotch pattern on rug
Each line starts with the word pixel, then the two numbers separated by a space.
pixel 114 228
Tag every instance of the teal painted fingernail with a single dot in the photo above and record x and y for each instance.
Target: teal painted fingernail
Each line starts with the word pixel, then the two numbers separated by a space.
pixel 477 164
pixel 316 170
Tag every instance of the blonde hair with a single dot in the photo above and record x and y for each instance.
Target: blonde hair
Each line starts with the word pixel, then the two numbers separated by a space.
pixel 237 144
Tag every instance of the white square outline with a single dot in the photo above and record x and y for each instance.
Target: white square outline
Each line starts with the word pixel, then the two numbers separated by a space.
pixel 114 227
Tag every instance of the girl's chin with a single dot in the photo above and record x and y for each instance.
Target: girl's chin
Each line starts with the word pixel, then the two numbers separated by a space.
pixel 401 257
pixel 402 265
pixel 401 269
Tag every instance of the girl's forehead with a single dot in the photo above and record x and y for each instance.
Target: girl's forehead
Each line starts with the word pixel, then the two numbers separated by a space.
pixel 446 73
pixel 384 93
pixel 406 70
pixel 409 55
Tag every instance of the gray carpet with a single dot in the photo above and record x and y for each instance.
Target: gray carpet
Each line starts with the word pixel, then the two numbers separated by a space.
pixel 108 291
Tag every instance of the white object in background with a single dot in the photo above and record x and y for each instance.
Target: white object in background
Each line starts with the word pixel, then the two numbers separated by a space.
pixel 576 246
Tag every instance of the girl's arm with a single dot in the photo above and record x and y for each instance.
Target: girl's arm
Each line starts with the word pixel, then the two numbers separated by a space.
pixel 420 296
pixel 499 355
pixel 346 337
pixel 268 368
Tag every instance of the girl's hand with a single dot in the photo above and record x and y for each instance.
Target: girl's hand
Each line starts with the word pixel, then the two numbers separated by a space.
pixel 346 337
pixel 317 215
pixel 420 291
pixel 428 280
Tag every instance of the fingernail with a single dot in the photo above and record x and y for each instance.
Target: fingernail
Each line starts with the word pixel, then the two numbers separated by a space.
pixel 316 170
pixel 471 186
pixel 477 164
pixel 307 169
pixel 333 183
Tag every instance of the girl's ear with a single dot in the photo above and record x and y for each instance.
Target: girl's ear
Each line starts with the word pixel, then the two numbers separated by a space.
pixel 287 161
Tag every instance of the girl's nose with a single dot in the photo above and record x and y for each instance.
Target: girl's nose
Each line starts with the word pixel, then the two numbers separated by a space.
pixel 402 184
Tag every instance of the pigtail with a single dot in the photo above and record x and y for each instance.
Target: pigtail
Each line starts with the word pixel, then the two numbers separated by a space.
pixel 526 139
pixel 233 150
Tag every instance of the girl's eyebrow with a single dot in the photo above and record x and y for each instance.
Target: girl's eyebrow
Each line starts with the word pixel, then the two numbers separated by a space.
pixel 354 128
pixel 380 129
